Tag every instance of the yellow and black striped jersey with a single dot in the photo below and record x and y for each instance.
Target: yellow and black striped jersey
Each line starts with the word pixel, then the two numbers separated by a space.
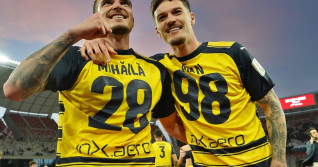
pixel 105 111
pixel 163 151
pixel 215 89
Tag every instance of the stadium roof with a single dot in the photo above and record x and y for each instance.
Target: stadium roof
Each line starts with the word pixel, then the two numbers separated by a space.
pixel 40 103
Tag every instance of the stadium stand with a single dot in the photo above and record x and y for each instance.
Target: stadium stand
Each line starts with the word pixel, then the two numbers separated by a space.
pixel 31 127
pixel 2 126
pixel 37 141
pixel 49 123
pixel 5 131
pixel 34 122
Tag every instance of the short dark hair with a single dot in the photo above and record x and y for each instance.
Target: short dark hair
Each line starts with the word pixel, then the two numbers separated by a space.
pixel 97 2
pixel 310 129
pixel 32 163
pixel 158 133
pixel 156 3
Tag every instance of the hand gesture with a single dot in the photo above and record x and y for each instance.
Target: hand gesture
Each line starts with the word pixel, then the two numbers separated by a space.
pixel 93 27
pixel 312 139
pixel 98 50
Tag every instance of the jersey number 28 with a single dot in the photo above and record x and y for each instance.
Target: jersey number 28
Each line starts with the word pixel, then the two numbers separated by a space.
pixel 98 121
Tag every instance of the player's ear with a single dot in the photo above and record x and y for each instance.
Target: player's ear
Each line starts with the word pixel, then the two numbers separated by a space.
pixel 158 33
pixel 192 18
pixel 133 21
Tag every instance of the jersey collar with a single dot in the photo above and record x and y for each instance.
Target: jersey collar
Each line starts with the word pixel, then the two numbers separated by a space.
pixel 199 50
pixel 126 52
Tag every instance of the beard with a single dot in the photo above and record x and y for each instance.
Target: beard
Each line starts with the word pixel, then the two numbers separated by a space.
pixel 119 30
pixel 176 42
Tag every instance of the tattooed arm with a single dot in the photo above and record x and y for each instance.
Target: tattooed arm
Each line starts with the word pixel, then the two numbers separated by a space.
pixel 276 127
pixel 31 75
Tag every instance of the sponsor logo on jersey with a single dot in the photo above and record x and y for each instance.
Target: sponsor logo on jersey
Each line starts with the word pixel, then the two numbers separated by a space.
pixel 258 67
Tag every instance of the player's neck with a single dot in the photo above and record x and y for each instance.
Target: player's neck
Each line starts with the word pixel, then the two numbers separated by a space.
pixel 186 48
pixel 119 42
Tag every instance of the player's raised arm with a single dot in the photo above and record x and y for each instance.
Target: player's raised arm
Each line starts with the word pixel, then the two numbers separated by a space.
pixel 31 75
pixel 276 126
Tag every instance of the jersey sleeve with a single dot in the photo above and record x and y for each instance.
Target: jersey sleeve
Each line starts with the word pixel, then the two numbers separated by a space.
pixel 254 77
pixel 165 105
pixel 66 71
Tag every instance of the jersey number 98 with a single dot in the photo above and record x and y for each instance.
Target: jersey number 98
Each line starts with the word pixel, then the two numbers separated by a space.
pixel 192 96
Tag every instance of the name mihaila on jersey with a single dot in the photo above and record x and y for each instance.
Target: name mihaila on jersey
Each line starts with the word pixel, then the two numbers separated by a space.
pixel 123 69
pixel 105 112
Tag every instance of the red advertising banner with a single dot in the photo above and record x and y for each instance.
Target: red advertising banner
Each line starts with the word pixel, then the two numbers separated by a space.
pixel 298 101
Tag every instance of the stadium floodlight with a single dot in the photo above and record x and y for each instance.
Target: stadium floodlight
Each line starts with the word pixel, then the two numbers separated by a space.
pixel 5 59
